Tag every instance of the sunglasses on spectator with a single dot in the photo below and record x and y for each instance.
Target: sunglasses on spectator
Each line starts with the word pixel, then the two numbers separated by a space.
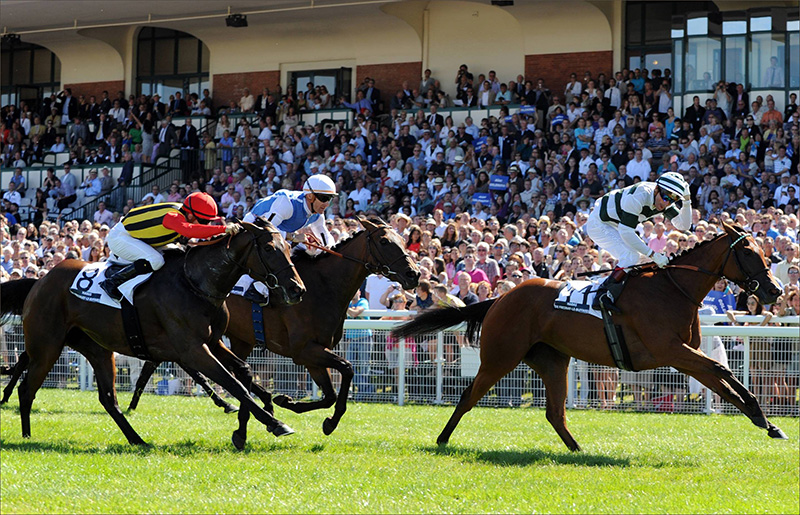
pixel 516 276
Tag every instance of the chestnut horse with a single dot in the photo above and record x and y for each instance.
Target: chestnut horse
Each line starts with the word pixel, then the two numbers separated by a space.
pixel 309 331
pixel 182 313
pixel 659 321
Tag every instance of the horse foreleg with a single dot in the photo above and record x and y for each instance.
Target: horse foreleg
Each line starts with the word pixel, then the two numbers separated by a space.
pixel 217 370
pixel 15 372
pixel 551 366
pixel 322 377
pixel 721 381
pixel 148 369
pixel 203 382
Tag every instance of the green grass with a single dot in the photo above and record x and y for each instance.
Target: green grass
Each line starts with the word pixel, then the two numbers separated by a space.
pixel 383 459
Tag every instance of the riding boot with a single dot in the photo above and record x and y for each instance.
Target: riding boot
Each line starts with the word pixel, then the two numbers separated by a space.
pixel 609 291
pixel 111 284
pixel 255 296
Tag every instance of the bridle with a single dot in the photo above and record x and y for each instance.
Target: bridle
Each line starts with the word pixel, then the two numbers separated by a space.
pixel 749 284
pixel 270 279
pixel 382 269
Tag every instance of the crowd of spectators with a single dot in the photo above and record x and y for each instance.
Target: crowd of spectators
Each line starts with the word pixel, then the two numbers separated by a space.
pixel 483 205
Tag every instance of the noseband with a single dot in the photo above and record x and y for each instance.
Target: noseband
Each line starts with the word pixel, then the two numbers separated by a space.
pixel 271 278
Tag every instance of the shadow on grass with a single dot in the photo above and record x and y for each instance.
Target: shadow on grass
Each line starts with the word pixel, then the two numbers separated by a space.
pixel 184 448
pixel 524 458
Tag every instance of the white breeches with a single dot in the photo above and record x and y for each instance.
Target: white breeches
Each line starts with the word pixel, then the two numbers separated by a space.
pixel 127 247
pixel 606 236
pixel 245 282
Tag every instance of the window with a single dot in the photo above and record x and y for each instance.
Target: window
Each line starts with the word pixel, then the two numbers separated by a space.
pixel 794 60
pixel 169 61
pixel 767 61
pixel 337 81
pixel 702 63
pixel 28 72
pixel 735 51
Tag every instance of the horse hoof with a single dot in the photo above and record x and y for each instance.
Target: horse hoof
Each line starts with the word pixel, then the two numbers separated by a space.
pixel 141 444
pixel 238 441
pixel 328 426
pixel 441 441
pixel 281 429
pixel 282 400
pixel 229 408
pixel 775 432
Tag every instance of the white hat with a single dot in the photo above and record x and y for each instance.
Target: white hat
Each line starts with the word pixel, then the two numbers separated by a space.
pixel 320 183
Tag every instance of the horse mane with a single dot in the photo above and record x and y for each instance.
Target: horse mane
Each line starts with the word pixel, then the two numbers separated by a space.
pixel 699 244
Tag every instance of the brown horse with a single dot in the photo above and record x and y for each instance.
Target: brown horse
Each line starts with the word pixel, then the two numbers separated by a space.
pixel 182 312
pixel 659 320
pixel 309 331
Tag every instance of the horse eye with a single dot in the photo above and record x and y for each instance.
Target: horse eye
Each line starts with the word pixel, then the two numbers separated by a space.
pixel 748 252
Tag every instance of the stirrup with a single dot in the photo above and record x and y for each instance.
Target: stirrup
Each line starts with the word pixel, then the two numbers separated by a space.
pixel 111 289
pixel 608 304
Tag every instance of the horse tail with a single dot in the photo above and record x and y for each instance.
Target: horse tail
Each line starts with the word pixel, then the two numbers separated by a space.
pixel 438 319
pixel 14 294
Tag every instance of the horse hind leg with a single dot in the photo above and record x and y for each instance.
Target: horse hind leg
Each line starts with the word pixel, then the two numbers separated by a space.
pixel 15 372
pixel 203 382
pixel 42 358
pixel 551 366
pixel 102 360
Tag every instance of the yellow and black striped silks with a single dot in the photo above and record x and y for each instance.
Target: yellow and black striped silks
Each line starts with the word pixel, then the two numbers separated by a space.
pixel 145 223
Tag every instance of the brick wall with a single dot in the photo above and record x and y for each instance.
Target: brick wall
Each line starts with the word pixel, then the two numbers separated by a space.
pixel 389 77
pixel 96 88
pixel 556 68
pixel 230 86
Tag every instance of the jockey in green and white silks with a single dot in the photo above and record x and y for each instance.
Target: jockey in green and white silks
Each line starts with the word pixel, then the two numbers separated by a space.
pixel 612 223
pixel 291 211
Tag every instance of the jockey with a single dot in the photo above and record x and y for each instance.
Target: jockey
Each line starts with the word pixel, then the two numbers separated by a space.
pixel 137 237
pixel 612 225
pixel 291 211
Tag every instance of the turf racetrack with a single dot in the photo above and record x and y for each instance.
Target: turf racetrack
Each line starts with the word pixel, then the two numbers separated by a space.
pixel 383 459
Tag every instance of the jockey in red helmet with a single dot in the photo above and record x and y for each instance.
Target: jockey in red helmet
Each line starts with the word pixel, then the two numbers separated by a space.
pixel 144 229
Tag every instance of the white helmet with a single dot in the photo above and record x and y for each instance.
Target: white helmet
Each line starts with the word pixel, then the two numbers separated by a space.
pixel 674 183
pixel 320 183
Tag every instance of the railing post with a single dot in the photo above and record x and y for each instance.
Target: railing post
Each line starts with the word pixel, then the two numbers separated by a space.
pixel 708 345
pixel 401 372
pixel 571 384
pixel 440 367
pixel 746 358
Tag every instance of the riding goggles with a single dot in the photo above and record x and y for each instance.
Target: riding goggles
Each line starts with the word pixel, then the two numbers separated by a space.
pixel 670 198
pixel 323 197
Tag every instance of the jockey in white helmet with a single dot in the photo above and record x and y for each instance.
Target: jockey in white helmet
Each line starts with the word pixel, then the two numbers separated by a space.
pixel 291 211
pixel 612 225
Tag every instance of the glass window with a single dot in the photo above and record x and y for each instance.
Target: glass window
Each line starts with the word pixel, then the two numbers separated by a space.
pixel 658 22
pixel 5 70
pixel 204 58
pixel 793 25
pixel 658 61
pixel 677 70
pixel 767 61
pixel 760 23
pixel 634 61
pixel 164 62
pixel 145 57
pixel 697 26
pixel 633 23
pixel 677 33
pixel 41 65
pixel 22 67
pixel 794 60
pixel 734 27
pixel 702 64
pixel 187 55
pixel 735 51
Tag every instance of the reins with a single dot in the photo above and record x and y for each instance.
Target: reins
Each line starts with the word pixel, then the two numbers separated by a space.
pixel 384 270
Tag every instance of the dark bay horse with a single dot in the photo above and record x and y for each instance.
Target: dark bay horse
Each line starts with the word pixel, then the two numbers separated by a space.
pixel 309 331
pixel 659 320
pixel 182 313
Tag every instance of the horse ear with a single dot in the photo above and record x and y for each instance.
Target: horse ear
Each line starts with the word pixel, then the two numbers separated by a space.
pixel 366 224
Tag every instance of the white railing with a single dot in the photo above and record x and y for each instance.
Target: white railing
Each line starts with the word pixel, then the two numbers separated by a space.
pixel 435 368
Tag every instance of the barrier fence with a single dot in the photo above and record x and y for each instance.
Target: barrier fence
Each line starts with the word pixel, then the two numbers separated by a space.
pixel 435 368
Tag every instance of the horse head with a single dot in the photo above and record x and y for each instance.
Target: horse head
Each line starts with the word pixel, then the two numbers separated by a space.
pixel 270 262
pixel 749 268
pixel 387 253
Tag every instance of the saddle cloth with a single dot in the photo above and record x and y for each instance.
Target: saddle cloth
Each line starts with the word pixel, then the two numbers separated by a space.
pixel 578 296
pixel 86 285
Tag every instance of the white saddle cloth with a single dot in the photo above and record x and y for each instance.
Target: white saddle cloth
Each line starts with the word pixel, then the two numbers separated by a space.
pixel 86 285
pixel 578 296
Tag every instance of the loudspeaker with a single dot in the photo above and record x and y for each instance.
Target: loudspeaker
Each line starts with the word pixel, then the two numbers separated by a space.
pixel 236 20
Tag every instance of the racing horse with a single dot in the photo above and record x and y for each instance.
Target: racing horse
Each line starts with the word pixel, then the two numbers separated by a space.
pixel 309 331
pixel 182 313
pixel 659 321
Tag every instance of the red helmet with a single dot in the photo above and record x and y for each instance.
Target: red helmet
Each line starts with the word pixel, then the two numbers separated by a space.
pixel 201 205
